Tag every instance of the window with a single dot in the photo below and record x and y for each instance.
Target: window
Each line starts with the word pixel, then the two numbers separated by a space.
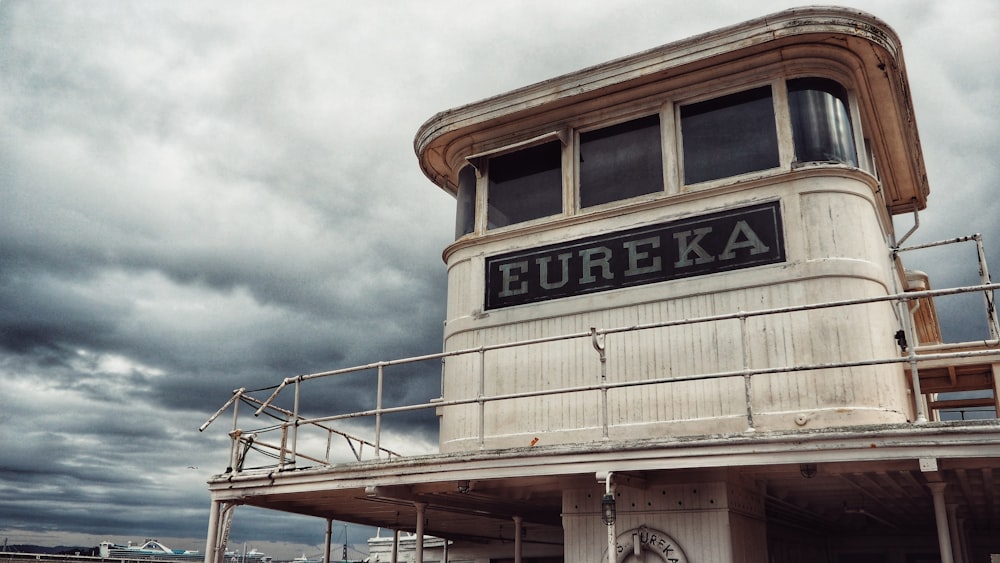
pixel 728 136
pixel 465 217
pixel 621 161
pixel 821 122
pixel 719 138
pixel 525 185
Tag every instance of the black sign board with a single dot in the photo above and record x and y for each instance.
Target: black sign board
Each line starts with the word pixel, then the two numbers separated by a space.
pixel 706 244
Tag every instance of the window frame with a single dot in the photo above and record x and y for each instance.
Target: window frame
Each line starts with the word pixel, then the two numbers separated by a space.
pixel 480 161
pixel 667 106
pixel 782 123
pixel 662 109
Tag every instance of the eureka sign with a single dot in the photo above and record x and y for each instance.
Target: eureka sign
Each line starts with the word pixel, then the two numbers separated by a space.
pixel 706 244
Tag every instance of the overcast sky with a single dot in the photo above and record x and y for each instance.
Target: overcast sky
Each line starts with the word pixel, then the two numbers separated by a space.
pixel 200 196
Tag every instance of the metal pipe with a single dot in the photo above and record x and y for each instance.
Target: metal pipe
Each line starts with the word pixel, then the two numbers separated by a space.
pixel 915 357
pixel 394 557
pixel 984 278
pixel 211 543
pixel 295 421
pixel 329 538
pixel 419 549
pixel 747 389
pixel 234 444
pixel 480 397
pixel 236 395
pixel 518 538
pixel 271 397
pixel 599 345
pixel 956 537
pixel 941 242
pixel 637 327
pixel 941 517
pixel 609 489
pixel 378 412
pixel 913 229
pixel 911 356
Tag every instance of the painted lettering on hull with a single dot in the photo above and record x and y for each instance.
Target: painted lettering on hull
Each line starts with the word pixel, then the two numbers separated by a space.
pixel 706 244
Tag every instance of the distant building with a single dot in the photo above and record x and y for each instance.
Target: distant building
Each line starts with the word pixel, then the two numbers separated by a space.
pixel 679 326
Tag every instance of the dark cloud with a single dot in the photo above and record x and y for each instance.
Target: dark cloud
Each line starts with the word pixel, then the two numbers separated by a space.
pixel 196 198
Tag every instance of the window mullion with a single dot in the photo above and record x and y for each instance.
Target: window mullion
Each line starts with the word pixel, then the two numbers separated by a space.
pixel 670 145
pixel 570 174
pixel 782 115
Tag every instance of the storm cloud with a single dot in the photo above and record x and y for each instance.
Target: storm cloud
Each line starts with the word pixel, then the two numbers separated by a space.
pixel 197 197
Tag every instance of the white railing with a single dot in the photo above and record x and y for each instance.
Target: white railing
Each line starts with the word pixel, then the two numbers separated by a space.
pixel 280 441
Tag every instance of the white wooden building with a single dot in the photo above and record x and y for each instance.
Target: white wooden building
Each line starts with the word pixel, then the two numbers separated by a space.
pixel 679 326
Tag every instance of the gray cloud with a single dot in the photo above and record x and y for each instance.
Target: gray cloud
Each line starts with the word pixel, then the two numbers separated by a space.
pixel 196 198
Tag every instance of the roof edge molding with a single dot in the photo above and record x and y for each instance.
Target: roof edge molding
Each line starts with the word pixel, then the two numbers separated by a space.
pixel 847 38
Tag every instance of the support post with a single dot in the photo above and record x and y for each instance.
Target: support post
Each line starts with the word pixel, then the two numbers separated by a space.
pixel 419 551
pixel 394 558
pixel 941 517
pixel 609 489
pixel 329 538
pixel 956 534
pixel 212 542
pixel 518 538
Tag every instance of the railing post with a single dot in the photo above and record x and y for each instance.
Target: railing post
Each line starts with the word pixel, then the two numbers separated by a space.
pixel 481 397
pixel 234 443
pixel 284 446
pixel 984 277
pixel 378 412
pixel 906 317
pixel 598 343
pixel 295 422
pixel 747 391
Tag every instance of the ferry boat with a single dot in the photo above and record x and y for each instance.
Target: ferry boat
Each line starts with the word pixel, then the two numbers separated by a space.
pixel 154 550
pixel 150 549
pixel 680 327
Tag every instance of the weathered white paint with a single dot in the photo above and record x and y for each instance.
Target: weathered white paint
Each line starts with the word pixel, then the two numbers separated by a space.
pixel 836 249
pixel 718 520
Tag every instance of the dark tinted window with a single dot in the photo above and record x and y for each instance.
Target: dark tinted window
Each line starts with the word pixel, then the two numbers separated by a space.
pixel 621 161
pixel 821 122
pixel 730 135
pixel 465 216
pixel 525 185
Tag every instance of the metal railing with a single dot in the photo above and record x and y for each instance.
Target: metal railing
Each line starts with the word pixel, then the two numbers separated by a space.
pixel 285 449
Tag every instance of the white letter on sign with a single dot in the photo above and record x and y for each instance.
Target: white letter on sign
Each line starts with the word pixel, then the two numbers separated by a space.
pixel 684 248
pixel 509 278
pixel 589 263
pixel 543 275
pixel 634 256
pixel 752 241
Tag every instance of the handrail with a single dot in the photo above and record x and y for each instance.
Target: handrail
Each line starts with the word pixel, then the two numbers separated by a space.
pixel 906 296
pixel 292 420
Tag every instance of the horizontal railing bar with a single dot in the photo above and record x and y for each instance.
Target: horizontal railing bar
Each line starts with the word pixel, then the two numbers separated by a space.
pixel 906 296
pixel 965 238
pixel 924 354
pixel 302 421
pixel 278 448
pixel 655 381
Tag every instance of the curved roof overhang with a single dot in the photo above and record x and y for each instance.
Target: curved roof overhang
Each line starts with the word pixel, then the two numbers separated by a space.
pixel 843 38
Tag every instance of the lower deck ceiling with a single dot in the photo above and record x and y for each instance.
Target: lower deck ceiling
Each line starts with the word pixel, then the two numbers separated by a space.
pixel 842 499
